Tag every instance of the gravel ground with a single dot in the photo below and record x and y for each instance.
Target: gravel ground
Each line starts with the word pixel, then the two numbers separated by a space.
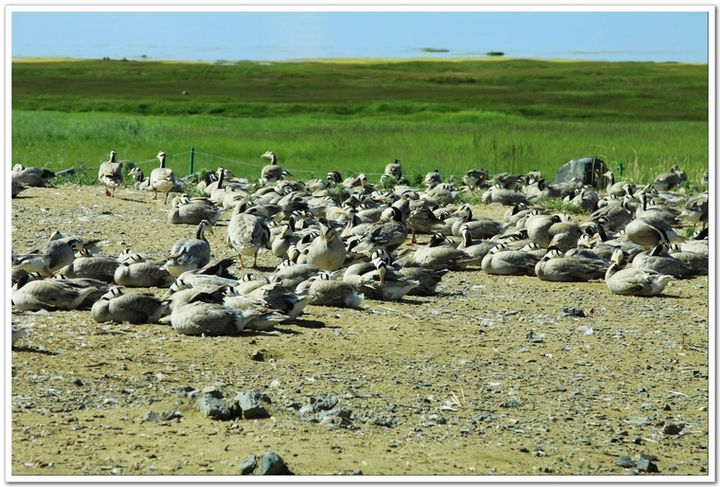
pixel 489 377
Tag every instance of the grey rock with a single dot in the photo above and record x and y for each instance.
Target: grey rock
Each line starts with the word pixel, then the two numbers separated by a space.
pixel 573 311
pixel 250 407
pixel 672 428
pixel 247 465
pixel 510 404
pixel 625 461
pixel 171 414
pixel 152 417
pixel 645 465
pixel 270 463
pixel 213 407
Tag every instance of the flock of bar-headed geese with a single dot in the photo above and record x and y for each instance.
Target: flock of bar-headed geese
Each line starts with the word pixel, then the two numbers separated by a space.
pixel 338 241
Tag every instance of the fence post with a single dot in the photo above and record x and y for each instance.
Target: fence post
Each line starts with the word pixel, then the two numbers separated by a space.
pixel 619 169
pixel 192 159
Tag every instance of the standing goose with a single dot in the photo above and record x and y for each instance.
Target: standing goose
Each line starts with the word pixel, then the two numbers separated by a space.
pixel 110 174
pixel 190 253
pixel 632 281
pixel 422 220
pixel 272 172
pixel 162 179
pixel 134 308
pixel 246 233
pixel 696 210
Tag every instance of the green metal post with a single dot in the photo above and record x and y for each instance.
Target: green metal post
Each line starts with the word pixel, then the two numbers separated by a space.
pixel 619 169
pixel 192 159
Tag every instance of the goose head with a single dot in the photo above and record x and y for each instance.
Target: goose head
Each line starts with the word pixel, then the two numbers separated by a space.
pixel 270 155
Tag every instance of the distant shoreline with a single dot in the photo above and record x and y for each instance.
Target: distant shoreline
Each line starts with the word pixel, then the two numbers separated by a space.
pixel 50 59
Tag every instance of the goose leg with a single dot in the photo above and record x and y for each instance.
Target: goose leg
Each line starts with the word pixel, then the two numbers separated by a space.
pixel 166 197
pixel 107 192
pixel 154 196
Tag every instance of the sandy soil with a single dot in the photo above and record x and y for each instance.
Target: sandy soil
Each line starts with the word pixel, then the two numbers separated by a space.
pixel 486 378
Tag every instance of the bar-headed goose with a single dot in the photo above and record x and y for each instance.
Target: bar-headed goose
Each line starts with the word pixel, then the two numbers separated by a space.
pixel 162 179
pixel 135 308
pixel 632 281
pixel 190 253
pixel 110 174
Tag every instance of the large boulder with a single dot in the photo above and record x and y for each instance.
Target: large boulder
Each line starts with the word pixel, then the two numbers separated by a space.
pixel 589 170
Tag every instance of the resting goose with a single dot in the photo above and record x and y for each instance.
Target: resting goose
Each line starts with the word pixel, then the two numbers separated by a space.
pixel 480 227
pixel 49 294
pixel 501 261
pixel 437 256
pixel 475 178
pixel 162 179
pixel 556 266
pixel 192 211
pixel 389 233
pixel 632 281
pixel 136 272
pixel 110 174
pixel 503 196
pixel 31 176
pixel 327 250
pixel 325 291
pixel 190 253
pixel 380 282
pixel 204 314
pixel 669 180
pixel 660 261
pixel 52 256
pixel 135 308
pixel 272 172
pixel 697 263
pixel 99 267
pixel 618 188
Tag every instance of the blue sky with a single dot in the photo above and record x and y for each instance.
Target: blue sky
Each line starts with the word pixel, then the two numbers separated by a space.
pixel 679 36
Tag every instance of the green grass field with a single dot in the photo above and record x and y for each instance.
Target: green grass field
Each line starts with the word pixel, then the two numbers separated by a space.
pixel 500 114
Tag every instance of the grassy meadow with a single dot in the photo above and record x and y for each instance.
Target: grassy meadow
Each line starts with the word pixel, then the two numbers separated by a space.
pixel 500 114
